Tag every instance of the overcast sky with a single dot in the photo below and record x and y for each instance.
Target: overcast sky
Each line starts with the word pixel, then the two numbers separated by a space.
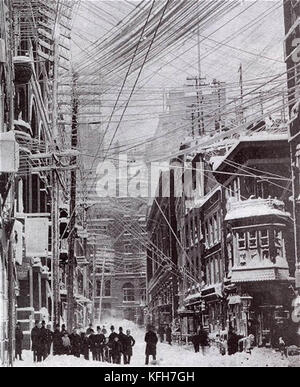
pixel 259 49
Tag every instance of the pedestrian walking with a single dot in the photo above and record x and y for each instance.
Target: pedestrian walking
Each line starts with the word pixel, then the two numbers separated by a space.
pixel 112 335
pixel 66 343
pixel 19 341
pixel 233 342
pixel 116 350
pixel 161 333
pixel 203 339
pixel 169 335
pixel 43 341
pixel 129 344
pixel 107 351
pixel 35 342
pixel 123 340
pixel 57 341
pixel 104 331
pixel 75 343
pixel 196 342
pixel 151 342
pixel 92 345
pixel 85 346
pixel 49 339
pixel 282 348
pixel 99 343
pixel 90 330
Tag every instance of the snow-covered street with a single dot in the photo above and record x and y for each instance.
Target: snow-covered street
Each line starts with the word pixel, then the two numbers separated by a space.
pixel 168 356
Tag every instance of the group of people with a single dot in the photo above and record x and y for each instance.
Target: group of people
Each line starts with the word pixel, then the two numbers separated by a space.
pixel 103 348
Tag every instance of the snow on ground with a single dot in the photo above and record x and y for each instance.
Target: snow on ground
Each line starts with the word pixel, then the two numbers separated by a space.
pixel 167 356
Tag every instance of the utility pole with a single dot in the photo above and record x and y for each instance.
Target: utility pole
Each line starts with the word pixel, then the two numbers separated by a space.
pixel 94 281
pixel 102 287
pixel 242 92
pixel 9 253
pixel 55 280
pixel 72 236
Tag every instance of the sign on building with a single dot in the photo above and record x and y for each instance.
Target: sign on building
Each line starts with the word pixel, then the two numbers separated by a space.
pixel 36 237
pixel 9 153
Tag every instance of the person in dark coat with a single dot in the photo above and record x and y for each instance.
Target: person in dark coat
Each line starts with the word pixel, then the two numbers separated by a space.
pixel 66 343
pixel 75 343
pixel 85 346
pixel 113 335
pixel 99 342
pixel 122 339
pixel 35 342
pixel 57 341
pixel 92 344
pixel 44 341
pixel 90 330
pixel 169 335
pixel 19 339
pixel 116 350
pixel 104 331
pixel 203 339
pixel 49 339
pixel 161 333
pixel 196 342
pixel 151 341
pixel 232 342
pixel 127 350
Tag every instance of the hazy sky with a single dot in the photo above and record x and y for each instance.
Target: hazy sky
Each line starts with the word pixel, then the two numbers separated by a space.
pixel 258 47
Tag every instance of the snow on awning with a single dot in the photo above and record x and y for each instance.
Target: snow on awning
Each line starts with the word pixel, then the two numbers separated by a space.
pixel 234 300
pixel 192 297
pixel 258 274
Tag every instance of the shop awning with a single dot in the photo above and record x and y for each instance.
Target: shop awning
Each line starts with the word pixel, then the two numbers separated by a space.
pixel 234 300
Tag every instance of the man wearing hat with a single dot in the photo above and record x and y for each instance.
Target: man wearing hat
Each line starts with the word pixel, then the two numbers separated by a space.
pixel 35 342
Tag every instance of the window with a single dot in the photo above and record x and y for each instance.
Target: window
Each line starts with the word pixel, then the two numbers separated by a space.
pixel 241 240
pixel 107 289
pixel 98 289
pixel 196 230
pixel 252 239
pixel 206 235
pixel 278 243
pixel 128 292
pixel 215 228
pixel 143 295
pixel 211 231
pixel 212 271
pixel 264 238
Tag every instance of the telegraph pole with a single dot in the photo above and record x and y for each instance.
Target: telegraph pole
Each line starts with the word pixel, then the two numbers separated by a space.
pixel 102 287
pixel 55 248
pixel 72 236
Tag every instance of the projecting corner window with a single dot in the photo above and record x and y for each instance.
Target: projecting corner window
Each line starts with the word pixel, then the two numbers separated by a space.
pixel 252 239
pixel 264 238
pixel 241 238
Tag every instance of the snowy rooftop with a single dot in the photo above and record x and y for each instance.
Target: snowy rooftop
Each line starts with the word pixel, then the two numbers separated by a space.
pixel 255 207
pixel 261 136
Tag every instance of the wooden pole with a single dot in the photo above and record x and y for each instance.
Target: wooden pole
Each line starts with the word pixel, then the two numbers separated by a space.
pixel 102 287
pixel 72 236
pixel 55 249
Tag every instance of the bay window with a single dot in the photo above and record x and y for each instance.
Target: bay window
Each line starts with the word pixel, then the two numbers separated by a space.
pixel 252 239
pixel 241 239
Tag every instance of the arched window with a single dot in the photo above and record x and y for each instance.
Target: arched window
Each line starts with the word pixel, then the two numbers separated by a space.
pixel 34 123
pixel 107 289
pixel 128 292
